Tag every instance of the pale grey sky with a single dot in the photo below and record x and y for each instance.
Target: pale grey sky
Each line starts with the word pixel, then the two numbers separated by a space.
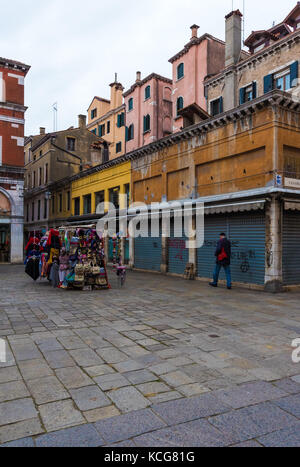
pixel 75 47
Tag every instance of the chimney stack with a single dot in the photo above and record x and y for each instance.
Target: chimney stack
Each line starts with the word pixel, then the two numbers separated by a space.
pixel 194 29
pixel 233 38
pixel 42 130
pixel 82 121
pixel 138 76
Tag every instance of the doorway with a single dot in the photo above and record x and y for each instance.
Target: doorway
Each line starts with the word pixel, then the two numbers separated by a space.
pixel 4 243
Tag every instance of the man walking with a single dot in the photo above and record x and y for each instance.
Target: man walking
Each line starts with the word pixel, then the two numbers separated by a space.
pixel 223 255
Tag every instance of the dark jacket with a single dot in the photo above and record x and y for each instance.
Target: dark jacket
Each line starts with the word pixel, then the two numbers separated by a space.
pixel 227 247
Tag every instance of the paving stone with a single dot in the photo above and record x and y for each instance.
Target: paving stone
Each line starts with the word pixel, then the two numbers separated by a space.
pixel 62 414
pixel 250 393
pixel 265 374
pixel 50 344
pixel 90 397
pixel 86 357
pixel 100 414
pixel 135 351
pixel 185 410
pixel 252 422
pixel 247 444
pixel 198 433
pixel 162 368
pixel 99 370
pixel 288 385
pixel 13 390
pixel 153 388
pixel 47 389
pixel 127 426
pixel 129 365
pixel 20 443
pixel 177 378
pixel 128 399
pixel 193 389
pixel 20 431
pixel 296 379
pixel 140 376
pixel 25 350
pixel 9 374
pixel 32 369
pixel 165 397
pixel 111 381
pixel 73 377
pixel 80 436
pixel 290 404
pixel 72 343
pixel 112 355
pixel 15 411
pixel 288 437
pixel 59 359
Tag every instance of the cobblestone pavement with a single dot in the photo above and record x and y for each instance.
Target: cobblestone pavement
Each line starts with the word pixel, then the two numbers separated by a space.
pixel 162 362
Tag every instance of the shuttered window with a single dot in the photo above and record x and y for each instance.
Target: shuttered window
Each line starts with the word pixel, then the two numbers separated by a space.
pixel 248 93
pixel 216 106
pixel 179 104
pixel 147 123
pixel 180 71
pixel 130 104
pixel 147 92
pixel 121 120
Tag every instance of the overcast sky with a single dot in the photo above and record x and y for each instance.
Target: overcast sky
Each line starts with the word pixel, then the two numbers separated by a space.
pixel 74 47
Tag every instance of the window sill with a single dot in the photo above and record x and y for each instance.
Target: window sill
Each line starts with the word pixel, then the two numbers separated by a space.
pixel 147 131
pixel 180 79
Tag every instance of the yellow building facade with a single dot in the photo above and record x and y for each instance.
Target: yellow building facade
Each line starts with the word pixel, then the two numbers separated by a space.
pixel 106 118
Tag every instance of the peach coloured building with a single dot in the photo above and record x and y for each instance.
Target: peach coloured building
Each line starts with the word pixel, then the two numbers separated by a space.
pixel 148 105
pixel 200 57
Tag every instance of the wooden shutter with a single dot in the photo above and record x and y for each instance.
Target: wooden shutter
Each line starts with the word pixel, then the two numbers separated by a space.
pixel 221 105
pixel 242 95
pixel 268 83
pixel 294 73
pixel 254 89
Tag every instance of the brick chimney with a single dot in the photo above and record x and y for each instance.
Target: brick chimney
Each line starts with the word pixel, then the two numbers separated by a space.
pixel 42 130
pixel 233 38
pixel 194 29
pixel 138 76
pixel 82 121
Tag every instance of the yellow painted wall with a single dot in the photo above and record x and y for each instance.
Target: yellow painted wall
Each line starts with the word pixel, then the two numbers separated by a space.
pixel 117 176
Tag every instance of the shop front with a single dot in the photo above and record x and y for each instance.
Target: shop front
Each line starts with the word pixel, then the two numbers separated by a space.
pixel 4 242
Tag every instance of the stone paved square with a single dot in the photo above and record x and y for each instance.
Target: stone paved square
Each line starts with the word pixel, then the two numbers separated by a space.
pixel 144 368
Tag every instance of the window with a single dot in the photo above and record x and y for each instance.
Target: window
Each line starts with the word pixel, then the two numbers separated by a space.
pixel 147 93
pixel 94 131
pixel 130 132
pixel 60 202
pixel 101 130
pixel 71 144
pixel 45 208
pixel 99 198
pixel 77 206
pixel 114 196
pixel 127 193
pixel 180 71
pixel 147 123
pixel 121 120
pixel 108 127
pixel 130 104
pixel 216 106
pixel 32 211
pixel 283 80
pixel 248 93
pixel 93 114
pixel 53 203
pixel 119 147
pixel 27 212
pixel 68 200
pixel 46 173
pixel 33 182
pixel 28 181
pixel 87 204
pixel 179 105
pixel 41 153
pixel 40 176
pixel 39 210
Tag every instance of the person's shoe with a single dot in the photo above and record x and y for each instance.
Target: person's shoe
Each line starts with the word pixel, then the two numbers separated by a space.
pixel 212 284
pixel 229 288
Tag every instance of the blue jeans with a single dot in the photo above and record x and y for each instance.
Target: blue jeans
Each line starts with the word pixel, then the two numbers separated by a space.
pixel 217 273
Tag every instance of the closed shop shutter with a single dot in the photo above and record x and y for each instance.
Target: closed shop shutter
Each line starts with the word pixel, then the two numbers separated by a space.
pixel 178 254
pixel 148 253
pixel 247 235
pixel 291 248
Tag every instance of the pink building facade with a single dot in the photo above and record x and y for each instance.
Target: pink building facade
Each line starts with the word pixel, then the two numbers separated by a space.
pixel 148 105
pixel 202 56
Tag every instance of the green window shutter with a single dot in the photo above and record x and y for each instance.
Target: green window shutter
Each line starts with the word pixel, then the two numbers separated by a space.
pixel 144 124
pixel 254 89
pixel 242 96
pixel 119 121
pixel 268 83
pixel 132 131
pixel 221 105
pixel 100 131
pixel 126 134
pixel 294 73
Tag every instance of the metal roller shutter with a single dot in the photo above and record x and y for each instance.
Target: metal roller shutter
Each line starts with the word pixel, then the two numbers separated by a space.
pixel 178 254
pixel 148 253
pixel 247 235
pixel 291 250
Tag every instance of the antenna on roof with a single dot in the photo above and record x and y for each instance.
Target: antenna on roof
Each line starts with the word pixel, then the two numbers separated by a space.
pixel 116 77
pixel 55 110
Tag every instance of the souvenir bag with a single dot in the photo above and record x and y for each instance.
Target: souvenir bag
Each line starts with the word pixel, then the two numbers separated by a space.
pixel 79 273
pixel 95 269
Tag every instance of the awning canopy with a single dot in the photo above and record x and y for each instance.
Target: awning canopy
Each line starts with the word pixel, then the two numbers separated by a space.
pixel 235 207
